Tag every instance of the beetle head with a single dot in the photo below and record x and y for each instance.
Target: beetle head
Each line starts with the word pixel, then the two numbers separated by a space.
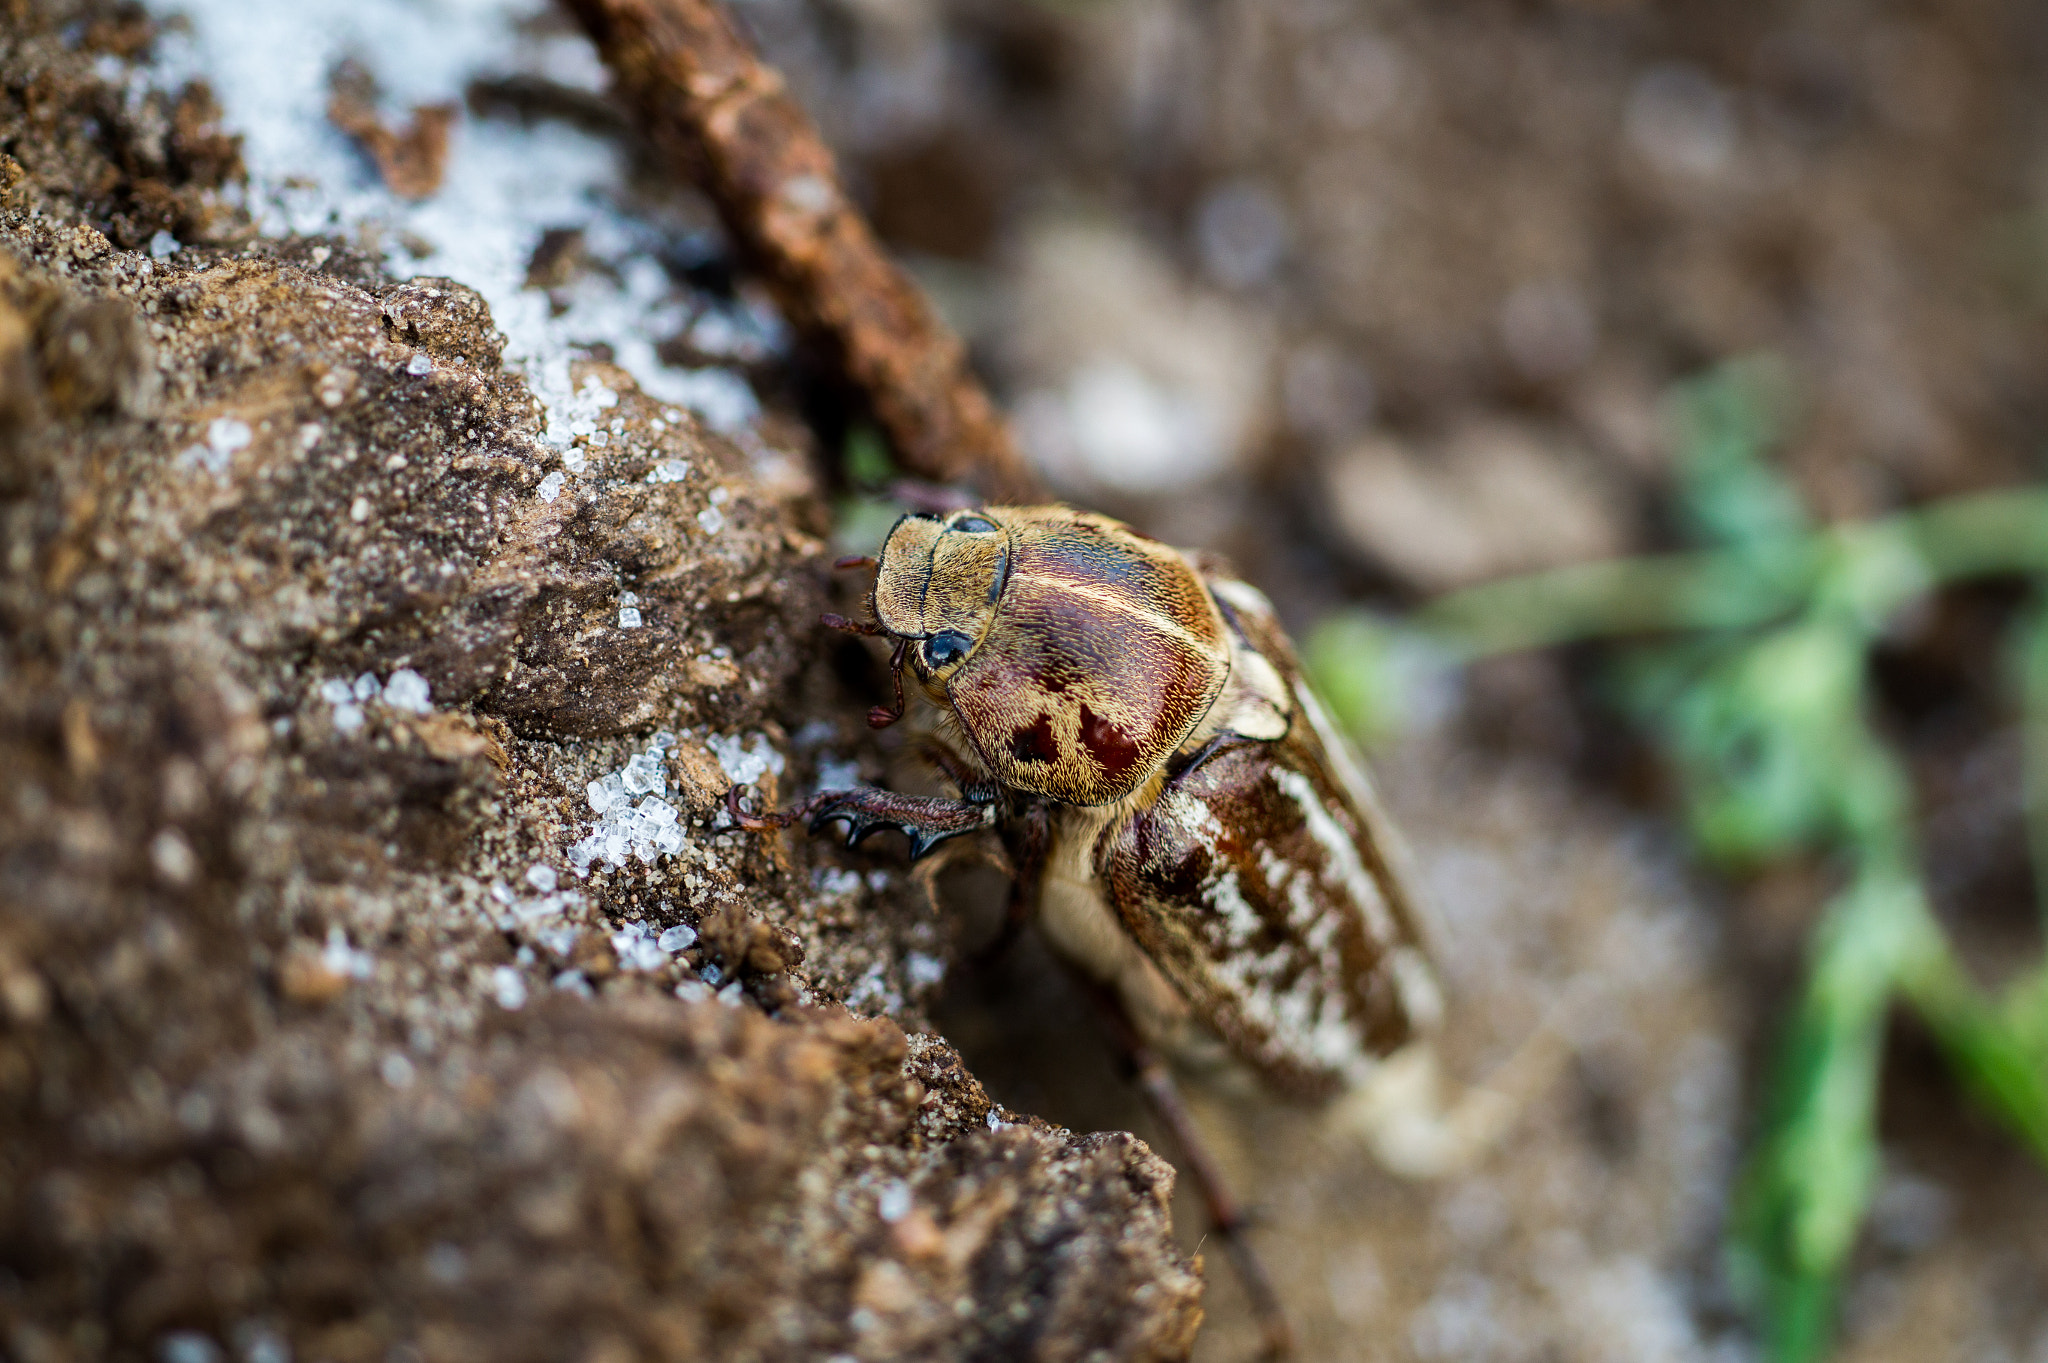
pixel 937 586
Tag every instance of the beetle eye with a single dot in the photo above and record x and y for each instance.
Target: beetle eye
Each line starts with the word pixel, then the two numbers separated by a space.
pixel 946 647
pixel 974 525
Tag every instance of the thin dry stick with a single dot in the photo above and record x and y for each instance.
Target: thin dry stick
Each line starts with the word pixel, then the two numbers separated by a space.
pixel 726 120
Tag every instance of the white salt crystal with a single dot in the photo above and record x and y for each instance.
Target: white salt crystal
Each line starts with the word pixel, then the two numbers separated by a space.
pixel 669 839
pixel 407 690
pixel 348 718
pixel 669 471
pixel 419 363
pixel 837 775
pixel 681 937
pixel 186 1346
pixel 225 435
pixel 541 877
pixel 508 986
pixel 335 691
pixel 366 687
pixel 657 810
pixel 574 460
pixel 712 519
pixel 600 797
pixel 551 486
pixel 661 741
pixel 745 762
pixel 397 1071
pixel 163 244
pixel 894 1203
pixel 643 773
pixel 342 959
pixel 923 969
pixel 629 617
pixel 573 982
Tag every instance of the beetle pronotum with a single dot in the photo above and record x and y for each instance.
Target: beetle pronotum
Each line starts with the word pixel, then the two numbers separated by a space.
pixel 1185 825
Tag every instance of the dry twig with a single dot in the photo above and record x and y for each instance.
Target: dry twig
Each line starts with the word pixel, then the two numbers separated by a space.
pixel 724 117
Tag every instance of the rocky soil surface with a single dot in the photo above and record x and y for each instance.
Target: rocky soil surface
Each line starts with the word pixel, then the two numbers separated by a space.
pixel 313 1043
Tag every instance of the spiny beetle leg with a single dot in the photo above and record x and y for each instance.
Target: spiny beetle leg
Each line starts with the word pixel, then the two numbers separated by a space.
pixel 1228 1218
pixel 927 820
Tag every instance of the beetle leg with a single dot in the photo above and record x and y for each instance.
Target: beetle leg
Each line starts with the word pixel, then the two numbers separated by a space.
pixel 973 787
pixel 864 628
pixel 1228 1219
pixel 1027 838
pixel 882 716
pixel 927 820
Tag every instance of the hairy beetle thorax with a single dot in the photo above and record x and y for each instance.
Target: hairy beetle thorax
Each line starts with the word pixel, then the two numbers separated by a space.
pixel 1074 653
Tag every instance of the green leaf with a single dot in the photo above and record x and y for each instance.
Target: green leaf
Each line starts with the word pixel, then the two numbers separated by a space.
pixel 1727 422
pixel 865 458
pixel 1807 1185
pixel 1351 660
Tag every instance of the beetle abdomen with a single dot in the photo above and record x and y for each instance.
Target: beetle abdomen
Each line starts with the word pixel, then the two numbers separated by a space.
pixel 1104 653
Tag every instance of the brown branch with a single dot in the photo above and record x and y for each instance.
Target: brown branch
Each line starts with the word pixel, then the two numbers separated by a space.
pixel 724 118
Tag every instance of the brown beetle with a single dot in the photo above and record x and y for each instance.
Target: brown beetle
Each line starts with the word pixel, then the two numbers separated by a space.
pixel 1185 825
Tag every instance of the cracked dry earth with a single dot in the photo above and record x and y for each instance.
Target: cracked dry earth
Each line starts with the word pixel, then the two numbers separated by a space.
pixel 312 1042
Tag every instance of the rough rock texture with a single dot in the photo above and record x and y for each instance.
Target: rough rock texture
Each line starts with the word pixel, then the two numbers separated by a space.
pixel 308 1035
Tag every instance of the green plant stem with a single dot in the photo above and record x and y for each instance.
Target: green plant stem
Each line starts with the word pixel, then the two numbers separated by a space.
pixel 1961 537
pixel 1988 1052
pixel 2033 670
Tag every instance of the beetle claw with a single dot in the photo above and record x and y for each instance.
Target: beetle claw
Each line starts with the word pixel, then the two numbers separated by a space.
pixel 925 820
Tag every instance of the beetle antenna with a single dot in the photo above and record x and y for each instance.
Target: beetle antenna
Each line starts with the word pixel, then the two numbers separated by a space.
pixel 865 628
pixel 854 561
pixel 882 716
